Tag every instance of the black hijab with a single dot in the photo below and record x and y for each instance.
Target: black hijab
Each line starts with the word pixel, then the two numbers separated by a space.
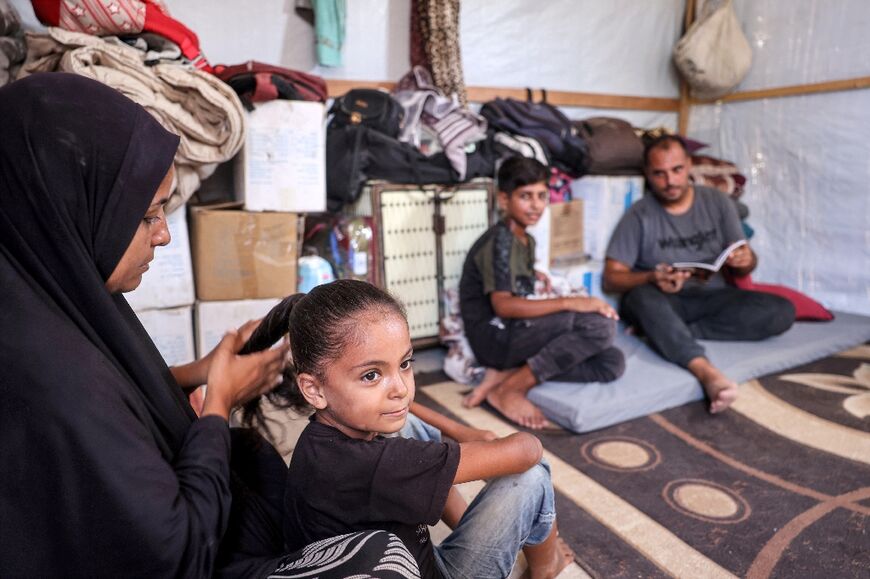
pixel 79 166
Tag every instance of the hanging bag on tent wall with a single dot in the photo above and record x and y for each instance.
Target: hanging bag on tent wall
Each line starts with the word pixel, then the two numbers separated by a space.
pixel 121 18
pixel 714 55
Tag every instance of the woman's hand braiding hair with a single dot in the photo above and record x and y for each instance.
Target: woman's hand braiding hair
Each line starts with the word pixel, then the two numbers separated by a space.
pixel 285 394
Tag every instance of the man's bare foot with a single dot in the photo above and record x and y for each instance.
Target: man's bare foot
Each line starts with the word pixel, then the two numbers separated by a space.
pixel 721 390
pixel 491 379
pixel 517 408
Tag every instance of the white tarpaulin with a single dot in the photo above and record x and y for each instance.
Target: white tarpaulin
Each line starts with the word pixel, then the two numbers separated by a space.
pixel 807 158
pixel 616 47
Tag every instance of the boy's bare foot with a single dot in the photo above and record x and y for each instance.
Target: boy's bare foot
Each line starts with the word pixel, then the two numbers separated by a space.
pixel 491 379
pixel 517 408
pixel 721 390
pixel 722 394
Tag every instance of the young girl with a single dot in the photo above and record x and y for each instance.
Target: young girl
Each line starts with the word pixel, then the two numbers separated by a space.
pixel 352 356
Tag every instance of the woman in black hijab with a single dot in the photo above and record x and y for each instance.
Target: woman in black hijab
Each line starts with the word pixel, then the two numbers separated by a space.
pixel 104 468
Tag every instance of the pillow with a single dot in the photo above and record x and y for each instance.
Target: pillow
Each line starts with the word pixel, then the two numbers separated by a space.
pixel 806 308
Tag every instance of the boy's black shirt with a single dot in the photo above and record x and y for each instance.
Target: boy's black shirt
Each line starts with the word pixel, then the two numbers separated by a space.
pixel 498 261
pixel 337 485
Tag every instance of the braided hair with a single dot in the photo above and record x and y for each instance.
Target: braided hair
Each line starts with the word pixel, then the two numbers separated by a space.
pixel 320 324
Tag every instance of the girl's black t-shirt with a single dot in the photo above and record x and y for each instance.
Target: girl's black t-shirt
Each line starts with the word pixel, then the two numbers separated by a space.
pixel 338 485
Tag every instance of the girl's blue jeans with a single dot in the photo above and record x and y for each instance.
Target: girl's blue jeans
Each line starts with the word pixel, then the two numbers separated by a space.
pixel 508 514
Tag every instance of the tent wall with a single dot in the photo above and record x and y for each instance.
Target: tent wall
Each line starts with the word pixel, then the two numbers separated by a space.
pixel 615 47
pixel 557 44
pixel 807 157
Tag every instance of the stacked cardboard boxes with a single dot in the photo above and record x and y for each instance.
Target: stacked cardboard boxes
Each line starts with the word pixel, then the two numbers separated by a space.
pixel 240 258
pixel 245 254
pixel 164 300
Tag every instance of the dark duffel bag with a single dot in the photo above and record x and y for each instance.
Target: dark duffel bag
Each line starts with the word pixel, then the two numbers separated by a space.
pixel 614 148
pixel 543 122
pixel 371 108
pixel 355 154
pixel 258 82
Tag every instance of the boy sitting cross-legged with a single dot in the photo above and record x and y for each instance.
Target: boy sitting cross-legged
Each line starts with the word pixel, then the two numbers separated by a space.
pixel 525 342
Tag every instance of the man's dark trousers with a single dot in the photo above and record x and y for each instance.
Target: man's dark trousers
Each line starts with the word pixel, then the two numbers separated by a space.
pixel 674 322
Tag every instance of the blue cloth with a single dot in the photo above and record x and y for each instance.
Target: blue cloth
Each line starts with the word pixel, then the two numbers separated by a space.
pixel 509 513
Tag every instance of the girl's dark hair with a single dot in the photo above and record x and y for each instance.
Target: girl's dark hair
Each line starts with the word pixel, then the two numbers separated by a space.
pixel 518 172
pixel 320 325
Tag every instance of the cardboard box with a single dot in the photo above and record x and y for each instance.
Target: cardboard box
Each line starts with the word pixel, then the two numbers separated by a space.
pixel 172 332
pixel 214 319
pixel 282 165
pixel 243 255
pixel 566 231
pixel 605 201
pixel 168 283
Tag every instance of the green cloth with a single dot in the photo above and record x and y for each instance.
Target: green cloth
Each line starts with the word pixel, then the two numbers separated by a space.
pixel 329 22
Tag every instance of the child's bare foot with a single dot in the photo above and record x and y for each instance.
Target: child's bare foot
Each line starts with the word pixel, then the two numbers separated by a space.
pixel 564 557
pixel 721 390
pixel 517 408
pixel 548 559
pixel 722 394
pixel 491 379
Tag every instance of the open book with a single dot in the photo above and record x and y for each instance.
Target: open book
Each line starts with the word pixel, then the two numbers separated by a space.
pixel 716 265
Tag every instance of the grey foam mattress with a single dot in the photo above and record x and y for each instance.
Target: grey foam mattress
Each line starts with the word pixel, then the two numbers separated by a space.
pixel 650 384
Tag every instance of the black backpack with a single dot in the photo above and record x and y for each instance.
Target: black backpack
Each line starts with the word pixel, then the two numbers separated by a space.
pixel 372 108
pixel 543 122
pixel 357 153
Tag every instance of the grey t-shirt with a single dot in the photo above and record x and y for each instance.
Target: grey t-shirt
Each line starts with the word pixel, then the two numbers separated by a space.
pixel 648 235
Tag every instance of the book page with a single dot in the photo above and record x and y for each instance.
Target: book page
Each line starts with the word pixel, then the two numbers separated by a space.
pixel 716 265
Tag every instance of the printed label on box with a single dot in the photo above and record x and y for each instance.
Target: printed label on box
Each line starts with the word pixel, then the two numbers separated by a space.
pixel 171 330
pixel 605 201
pixel 282 166
pixel 168 283
pixel 214 319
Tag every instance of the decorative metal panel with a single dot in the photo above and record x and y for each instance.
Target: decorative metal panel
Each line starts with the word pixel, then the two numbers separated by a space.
pixel 416 262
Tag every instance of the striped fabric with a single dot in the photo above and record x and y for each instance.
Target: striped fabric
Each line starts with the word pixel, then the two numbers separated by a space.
pixel 102 18
pixel 425 104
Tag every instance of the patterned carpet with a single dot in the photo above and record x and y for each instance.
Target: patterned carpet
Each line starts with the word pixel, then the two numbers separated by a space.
pixel 779 486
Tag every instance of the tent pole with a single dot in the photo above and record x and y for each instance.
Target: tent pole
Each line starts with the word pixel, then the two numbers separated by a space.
pixel 685 100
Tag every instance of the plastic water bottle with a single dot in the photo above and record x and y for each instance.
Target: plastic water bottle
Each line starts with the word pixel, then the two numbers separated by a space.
pixel 313 271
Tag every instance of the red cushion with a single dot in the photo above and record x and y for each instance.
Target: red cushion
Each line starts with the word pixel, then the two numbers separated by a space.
pixel 806 308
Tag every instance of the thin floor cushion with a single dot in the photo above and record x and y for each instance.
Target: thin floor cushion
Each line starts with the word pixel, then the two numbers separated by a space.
pixel 650 384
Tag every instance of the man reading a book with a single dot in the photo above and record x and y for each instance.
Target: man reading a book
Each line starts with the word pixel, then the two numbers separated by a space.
pixel 675 306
